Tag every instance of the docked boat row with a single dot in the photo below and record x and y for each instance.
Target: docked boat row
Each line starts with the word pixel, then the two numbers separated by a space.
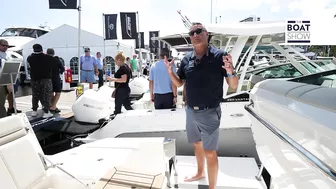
pixel 276 129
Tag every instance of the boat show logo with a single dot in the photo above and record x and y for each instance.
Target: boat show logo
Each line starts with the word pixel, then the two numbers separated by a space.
pixel 128 25
pixel 111 26
pixel 298 32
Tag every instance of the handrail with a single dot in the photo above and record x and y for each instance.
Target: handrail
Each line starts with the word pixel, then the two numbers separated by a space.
pixel 312 158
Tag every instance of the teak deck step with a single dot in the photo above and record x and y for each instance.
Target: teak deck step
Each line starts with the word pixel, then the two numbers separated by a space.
pixel 123 178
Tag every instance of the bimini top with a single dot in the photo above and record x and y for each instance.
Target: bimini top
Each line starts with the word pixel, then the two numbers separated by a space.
pixel 248 28
pixel 230 29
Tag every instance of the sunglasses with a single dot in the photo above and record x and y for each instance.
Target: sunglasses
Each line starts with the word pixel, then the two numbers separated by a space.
pixel 197 31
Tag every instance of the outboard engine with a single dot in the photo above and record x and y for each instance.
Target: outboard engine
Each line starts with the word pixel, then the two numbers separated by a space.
pixel 93 105
pixel 139 86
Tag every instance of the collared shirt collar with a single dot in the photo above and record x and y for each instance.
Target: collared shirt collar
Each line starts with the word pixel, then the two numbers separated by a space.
pixel 193 54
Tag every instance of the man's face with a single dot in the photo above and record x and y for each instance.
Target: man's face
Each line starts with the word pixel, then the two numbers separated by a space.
pixel 134 56
pixel 87 53
pixel 198 35
pixel 3 46
pixel 98 55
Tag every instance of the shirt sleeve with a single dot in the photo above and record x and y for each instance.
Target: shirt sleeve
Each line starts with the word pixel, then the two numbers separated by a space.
pixel 95 61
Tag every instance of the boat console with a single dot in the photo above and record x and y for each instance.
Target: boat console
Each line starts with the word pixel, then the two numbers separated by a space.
pixel 112 162
pixel 294 128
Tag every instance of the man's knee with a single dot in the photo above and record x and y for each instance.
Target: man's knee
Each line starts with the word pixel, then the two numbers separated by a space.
pixel 9 88
pixel 210 154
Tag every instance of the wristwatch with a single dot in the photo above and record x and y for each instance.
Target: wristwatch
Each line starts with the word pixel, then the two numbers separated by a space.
pixel 230 75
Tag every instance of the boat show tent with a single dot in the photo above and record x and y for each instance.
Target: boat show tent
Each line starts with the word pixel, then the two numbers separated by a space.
pixel 64 40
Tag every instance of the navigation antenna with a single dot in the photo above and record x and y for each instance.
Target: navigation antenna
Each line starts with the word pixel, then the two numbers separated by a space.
pixel 44 26
pixel 185 20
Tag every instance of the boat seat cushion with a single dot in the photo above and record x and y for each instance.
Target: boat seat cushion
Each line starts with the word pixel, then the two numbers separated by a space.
pixel 12 128
pixel 20 164
pixel 322 97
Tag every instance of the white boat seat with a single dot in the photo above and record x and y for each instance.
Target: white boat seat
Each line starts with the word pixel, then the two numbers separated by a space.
pixel 18 146
pixel 315 95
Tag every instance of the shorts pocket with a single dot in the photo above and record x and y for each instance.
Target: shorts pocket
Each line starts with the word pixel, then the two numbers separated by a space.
pixel 218 112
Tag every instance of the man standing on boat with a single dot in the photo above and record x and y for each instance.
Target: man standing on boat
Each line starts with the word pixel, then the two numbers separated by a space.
pixel 89 68
pixel 203 72
pixel 9 88
pixel 163 92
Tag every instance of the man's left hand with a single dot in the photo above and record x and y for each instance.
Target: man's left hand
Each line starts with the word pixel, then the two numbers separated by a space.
pixel 175 101
pixel 227 60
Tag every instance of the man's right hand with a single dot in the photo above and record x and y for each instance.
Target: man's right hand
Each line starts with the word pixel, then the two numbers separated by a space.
pixel 152 97
pixel 169 65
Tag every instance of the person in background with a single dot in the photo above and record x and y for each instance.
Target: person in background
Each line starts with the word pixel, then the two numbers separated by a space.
pixel 101 70
pixel 163 92
pixel 89 68
pixel 9 88
pixel 128 62
pixel 134 65
pixel 121 80
pixel 41 74
pixel 57 69
pixel 203 71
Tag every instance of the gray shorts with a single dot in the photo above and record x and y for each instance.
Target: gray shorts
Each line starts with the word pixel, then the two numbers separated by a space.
pixel 203 125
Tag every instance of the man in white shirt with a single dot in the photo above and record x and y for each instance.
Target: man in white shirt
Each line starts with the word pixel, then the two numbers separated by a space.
pixel 8 89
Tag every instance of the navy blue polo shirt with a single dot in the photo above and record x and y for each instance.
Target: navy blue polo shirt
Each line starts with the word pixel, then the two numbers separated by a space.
pixel 204 78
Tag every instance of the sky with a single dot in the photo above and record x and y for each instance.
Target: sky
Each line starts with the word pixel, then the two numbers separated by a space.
pixel 160 14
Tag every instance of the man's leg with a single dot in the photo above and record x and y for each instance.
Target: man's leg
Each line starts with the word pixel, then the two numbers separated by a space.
pixel 209 122
pixel 10 100
pixel 101 78
pixel 3 94
pixel 194 137
pixel 56 94
pixel 36 93
pixel 91 78
pixel 46 94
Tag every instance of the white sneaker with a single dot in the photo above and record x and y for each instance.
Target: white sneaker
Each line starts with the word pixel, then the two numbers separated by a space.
pixel 34 114
pixel 47 115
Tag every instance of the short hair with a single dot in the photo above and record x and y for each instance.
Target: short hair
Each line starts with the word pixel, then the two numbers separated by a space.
pixel 98 53
pixel 128 58
pixel 50 51
pixel 37 48
pixel 2 41
pixel 120 56
pixel 197 23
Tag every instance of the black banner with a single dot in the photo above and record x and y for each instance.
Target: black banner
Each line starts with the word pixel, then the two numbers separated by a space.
pixel 128 25
pixel 153 43
pixel 62 4
pixel 110 26
pixel 142 41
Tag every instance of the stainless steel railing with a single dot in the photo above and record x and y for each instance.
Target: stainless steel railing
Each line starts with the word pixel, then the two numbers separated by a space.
pixel 331 173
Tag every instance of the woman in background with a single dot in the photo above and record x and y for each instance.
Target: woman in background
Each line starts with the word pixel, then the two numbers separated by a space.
pixel 121 79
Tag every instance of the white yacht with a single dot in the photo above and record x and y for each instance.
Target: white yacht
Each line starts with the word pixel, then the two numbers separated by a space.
pixel 281 137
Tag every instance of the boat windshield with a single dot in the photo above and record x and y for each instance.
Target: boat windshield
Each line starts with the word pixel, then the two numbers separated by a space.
pixel 24 32
pixel 325 79
pixel 316 66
